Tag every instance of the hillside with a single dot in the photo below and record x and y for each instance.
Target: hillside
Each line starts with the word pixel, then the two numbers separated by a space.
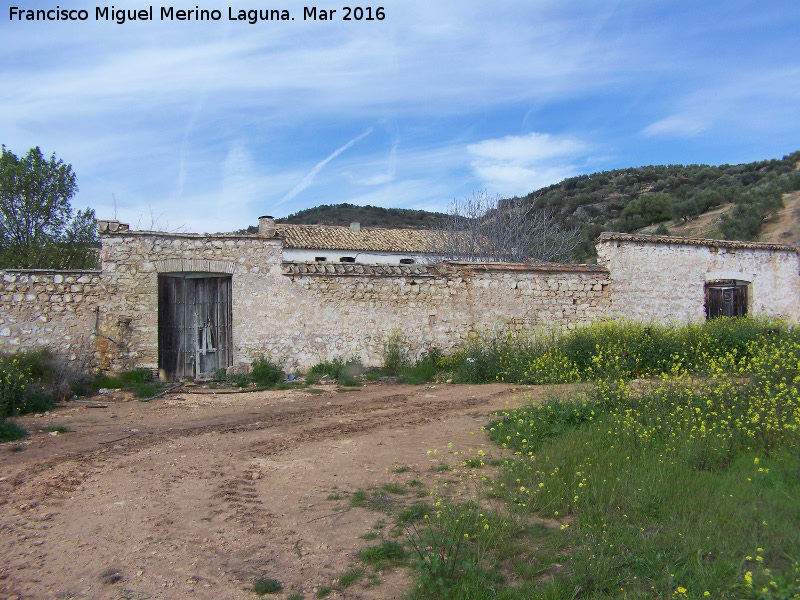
pixel 751 201
pixel 368 216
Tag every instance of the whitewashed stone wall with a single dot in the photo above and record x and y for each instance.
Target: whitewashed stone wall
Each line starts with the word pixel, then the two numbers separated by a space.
pixel 53 309
pixel 379 258
pixel 663 279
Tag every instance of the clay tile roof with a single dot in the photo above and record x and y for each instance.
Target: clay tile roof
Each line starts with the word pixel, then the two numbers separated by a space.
pixel 609 236
pixel 373 239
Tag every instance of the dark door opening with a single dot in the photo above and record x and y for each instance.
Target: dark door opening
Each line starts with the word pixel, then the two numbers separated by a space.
pixel 726 299
pixel 195 334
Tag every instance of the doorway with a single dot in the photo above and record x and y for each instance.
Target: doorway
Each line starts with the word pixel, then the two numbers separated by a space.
pixel 195 334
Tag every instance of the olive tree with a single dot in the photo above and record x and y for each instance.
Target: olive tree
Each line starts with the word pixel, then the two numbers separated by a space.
pixel 38 227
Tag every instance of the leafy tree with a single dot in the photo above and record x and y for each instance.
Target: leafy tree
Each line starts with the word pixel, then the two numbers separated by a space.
pixel 646 210
pixel 37 227
pixel 742 223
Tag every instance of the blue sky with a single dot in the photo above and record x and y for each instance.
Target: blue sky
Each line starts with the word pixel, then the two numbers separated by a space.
pixel 207 125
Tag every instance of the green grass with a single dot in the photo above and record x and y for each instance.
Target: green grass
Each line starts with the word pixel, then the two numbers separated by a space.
pixel 263 373
pixel 359 499
pixel 338 369
pixel 412 513
pixel 324 591
pixel 384 554
pixel 394 488
pixel 58 429
pixel 291 385
pixel 11 432
pixel 676 488
pixel 350 382
pixel 139 382
pixel 264 585
pixel 350 577
pixel 602 350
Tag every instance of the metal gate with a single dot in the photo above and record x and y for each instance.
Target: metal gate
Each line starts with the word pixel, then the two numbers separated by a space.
pixel 726 299
pixel 195 337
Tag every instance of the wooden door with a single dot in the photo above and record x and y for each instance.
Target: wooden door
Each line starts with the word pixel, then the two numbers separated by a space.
pixel 195 337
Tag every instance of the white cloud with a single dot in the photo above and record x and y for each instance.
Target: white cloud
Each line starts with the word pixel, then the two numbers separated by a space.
pixel 767 101
pixel 518 165
pixel 215 123
pixel 312 174
pixel 683 126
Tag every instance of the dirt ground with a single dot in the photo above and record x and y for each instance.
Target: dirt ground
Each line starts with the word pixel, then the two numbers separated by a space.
pixel 196 496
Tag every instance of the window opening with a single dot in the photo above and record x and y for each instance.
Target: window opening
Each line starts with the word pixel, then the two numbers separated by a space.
pixel 726 298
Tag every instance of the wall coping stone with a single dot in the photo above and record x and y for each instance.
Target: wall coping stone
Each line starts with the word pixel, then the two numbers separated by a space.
pixel 437 270
pixel 192 236
pixel 53 271
pixel 610 236
pixel 533 267
pixel 359 269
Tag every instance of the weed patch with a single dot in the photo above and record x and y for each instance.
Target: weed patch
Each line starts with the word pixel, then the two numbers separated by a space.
pixel 394 488
pixel 350 577
pixel 58 429
pixel 11 432
pixel 384 554
pixel 264 585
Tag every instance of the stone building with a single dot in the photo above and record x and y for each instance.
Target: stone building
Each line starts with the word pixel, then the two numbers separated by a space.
pixel 373 245
pixel 190 304
pixel 663 278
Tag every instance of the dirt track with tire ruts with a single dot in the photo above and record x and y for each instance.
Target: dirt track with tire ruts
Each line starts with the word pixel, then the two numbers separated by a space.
pixel 196 495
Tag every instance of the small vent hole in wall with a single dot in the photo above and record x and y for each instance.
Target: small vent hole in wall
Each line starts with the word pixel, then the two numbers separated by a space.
pixel 406 261
pixel 320 259
pixel 347 259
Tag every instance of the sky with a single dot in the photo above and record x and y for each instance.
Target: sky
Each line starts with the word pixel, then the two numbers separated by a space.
pixel 206 125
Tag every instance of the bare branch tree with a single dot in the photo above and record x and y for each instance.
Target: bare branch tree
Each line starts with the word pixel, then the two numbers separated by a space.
pixel 484 228
pixel 156 224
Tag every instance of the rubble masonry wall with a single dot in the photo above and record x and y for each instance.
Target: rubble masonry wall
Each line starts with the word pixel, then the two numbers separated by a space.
pixel 53 309
pixel 301 319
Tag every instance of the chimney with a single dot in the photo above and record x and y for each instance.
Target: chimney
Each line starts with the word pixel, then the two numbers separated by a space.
pixel 266 226
pixel 107 226
pixel 355 227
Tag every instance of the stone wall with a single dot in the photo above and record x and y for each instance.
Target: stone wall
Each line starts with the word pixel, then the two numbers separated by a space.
pixel 343 310
pixel 301 313
pixel 53 309
pixel 663 278
pixel 131 263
